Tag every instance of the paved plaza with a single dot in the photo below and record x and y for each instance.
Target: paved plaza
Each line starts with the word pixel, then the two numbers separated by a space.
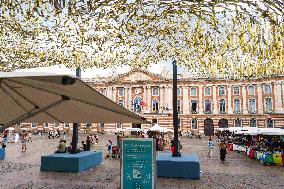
pixel 22 170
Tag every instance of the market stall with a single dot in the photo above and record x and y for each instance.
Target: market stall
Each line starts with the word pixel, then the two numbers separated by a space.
pixel 263 144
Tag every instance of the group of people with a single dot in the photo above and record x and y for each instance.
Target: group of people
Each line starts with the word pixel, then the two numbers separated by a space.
pixel 86 145
pixel 24 137
pixel 222 146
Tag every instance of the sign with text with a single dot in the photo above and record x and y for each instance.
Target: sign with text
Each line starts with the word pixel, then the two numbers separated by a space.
pixel 138 163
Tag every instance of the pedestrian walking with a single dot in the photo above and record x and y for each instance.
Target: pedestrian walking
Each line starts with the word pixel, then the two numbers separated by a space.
pixel 223 150
pixel 210 147
pixel 109 145
pixel 30 137
pixel 4 141
pixel 24 142
pixel 97 138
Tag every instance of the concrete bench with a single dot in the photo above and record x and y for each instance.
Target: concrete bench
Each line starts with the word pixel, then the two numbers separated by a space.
pixel 64 162
pixel 186 166
pixel 2 153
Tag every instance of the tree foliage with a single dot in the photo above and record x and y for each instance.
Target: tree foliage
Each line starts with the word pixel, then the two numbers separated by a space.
pixel 212 38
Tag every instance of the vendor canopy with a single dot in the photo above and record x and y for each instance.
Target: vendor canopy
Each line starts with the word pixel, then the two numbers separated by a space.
pixel 49 98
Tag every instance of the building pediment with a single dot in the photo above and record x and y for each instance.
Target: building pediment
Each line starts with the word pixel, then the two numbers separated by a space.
pixel 137 76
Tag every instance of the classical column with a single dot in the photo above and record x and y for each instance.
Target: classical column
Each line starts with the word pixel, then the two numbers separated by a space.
pixel 259 99
pixel 144 97
pixel 126 97
pixel 128 101
pixel 277 95
pixel 200 100
pixel 185 100
pixel 214 93
pixel 149 95
pixel 282 93
pixel 170 95
pixel 162 99
pixel 114 94
pixel 244 93
pixel 229 89
pixel 109 92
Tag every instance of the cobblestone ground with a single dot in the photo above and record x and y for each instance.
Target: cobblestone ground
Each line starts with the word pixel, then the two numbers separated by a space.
pixel 22 170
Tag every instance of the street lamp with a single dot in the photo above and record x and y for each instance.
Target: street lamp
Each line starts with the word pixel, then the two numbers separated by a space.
pixel 175 112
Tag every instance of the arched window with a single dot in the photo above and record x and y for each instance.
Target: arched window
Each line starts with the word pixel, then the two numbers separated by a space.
pixel 194 123
pixel 237 105
pixel 101 125
pixel 155 91
pixel 251 106
pixel 178 91
pixel 155 105
pixel 34 125
pixel 221 90
pixel 268 104
pixel 193 105
pixel 207 91
pixel 193 91
pixel 238 122
pixel 178 105
pixel 121 103
pixel 236 90
pixel 120 91
pixel 267 89
pixel 103 91
pixel 137 104
pixel 118 125
pixel 207 106
pixel 222 105
pixel 252 122
pixel 251 90
pixel 269 123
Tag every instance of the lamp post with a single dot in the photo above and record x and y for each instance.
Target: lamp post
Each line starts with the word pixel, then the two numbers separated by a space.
pixel 175 112
pixel 75 125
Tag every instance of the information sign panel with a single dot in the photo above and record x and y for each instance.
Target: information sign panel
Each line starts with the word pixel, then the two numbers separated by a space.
pixel 138 164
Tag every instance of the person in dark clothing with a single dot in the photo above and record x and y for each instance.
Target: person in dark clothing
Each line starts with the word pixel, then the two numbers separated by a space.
pixel 223 150
pixel 84 146
pixel 88 146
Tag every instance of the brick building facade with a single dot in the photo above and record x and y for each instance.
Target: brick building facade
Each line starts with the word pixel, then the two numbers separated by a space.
pixel 203 104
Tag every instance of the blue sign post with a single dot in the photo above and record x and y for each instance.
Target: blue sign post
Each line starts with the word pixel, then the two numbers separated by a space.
pixel 138 164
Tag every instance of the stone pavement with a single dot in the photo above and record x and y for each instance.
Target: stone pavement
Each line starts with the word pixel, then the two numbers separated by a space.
pixel 22 170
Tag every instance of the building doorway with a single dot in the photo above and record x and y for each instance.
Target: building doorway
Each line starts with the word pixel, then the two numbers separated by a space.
pixel 223 123
pixel 208 127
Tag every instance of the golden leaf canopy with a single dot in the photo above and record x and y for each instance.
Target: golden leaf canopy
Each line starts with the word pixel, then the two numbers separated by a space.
pixel 228 38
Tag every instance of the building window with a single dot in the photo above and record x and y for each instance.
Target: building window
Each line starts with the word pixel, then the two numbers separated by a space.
pixel 236 90
pixel 66 125
pixel 88 125
pixel 221 90
pixel 137 104
pixel 237 106
pixel 267 89
pixel 155 105
pixel 252 122
pixel 251 106
pixel 268 104
pixel 193 91
pixel 193 106
pixel 222 106
pixel 101 125
pixel 194 123
pixel 178 91
pixel 155 91
pixel 207 91
pixel 238 122
pixel 269 123
pixel 207 105
pixel 121 103
pixel 45 125
pixel 178 106
pixel 103 91
pixel 251 90
pixel 56 125
pixel 34 125
pixel 120 91
pixel 118 125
